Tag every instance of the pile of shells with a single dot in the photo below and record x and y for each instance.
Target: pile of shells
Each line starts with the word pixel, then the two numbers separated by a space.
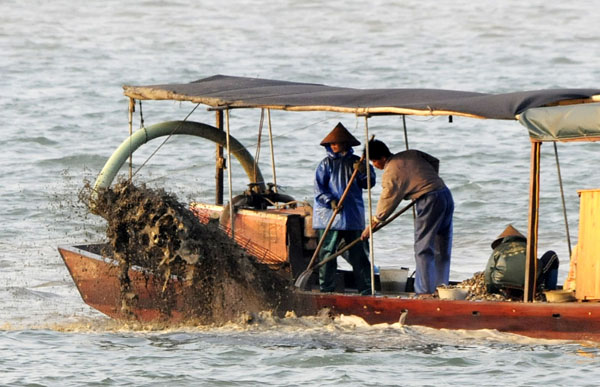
pixel 478 291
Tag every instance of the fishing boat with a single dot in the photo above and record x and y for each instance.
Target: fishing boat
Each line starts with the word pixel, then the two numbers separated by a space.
pixel 277 233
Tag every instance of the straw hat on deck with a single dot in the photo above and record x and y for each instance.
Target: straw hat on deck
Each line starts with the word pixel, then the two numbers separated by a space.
pixel 508 231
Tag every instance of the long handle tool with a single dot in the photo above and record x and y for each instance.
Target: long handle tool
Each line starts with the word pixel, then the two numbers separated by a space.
pixel 302 280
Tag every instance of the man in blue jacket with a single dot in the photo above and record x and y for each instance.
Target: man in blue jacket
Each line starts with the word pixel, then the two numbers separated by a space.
pixel 331 178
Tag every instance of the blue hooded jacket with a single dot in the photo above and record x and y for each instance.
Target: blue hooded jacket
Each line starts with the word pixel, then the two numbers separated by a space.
pixel 331 178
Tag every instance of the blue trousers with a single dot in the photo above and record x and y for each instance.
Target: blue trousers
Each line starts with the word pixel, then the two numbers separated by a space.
pixel 433 240
pixel 547 275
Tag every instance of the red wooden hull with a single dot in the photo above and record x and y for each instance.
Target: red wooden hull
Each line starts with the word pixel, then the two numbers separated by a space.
pixel 97 281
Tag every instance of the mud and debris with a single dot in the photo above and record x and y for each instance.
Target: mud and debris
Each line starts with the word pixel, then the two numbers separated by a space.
pixel 195 268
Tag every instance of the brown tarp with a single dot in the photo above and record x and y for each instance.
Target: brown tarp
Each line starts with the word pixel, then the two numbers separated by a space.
pixel 241 92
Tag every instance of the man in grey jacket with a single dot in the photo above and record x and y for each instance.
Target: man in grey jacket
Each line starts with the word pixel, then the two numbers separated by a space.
pixel 413 175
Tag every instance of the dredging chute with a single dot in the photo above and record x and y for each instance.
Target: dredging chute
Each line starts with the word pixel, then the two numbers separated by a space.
pixel 144 135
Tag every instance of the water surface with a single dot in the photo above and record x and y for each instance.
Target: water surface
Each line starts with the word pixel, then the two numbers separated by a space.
pixel 63 65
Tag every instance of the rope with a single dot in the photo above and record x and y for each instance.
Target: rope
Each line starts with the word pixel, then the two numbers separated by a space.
pixel 562 196
pixel 272 152
pixel 165 140
pixel 258 144
pixel 296 130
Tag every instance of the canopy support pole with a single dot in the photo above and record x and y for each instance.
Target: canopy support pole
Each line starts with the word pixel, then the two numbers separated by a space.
pixel 406 144
pixel 533 219
pixel 272 152
pixel 259 140
pixel 231 214
pixel 219 162
pixel 562 196
pixel 371 253
pixel 405 131
pixel 141 116
pixel 131 110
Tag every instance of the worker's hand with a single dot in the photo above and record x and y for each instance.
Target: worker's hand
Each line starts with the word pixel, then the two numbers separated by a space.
pixel 361 166
pixel 365 234
pixel 334 205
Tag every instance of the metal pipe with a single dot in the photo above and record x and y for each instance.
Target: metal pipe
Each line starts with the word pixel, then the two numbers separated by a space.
pixel 562 196
pixel 141 137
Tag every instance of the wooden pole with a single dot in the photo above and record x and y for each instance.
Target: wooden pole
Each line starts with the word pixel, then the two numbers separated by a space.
pixel 370 206
pixel 219 163
pixel 131 109
pixel 231 213
pixel 406 143
pixel 533 219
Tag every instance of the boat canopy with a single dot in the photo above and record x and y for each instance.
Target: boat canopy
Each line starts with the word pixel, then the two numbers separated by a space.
pixel 221 91
pixel 549 115
pixel 563 123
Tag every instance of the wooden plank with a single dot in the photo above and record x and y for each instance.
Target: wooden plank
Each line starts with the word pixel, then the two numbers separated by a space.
pixel 588 246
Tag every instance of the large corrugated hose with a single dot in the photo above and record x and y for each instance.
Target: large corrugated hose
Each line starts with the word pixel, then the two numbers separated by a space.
pixel 142 136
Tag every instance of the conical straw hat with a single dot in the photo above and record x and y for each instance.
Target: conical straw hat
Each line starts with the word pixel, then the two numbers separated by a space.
pixel 508 231
pixel 340 134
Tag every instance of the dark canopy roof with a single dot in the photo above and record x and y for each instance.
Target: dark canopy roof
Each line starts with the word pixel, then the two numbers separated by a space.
pixel 241 92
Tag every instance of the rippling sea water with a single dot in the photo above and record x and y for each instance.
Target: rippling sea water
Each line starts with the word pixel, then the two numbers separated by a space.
pixel 63 64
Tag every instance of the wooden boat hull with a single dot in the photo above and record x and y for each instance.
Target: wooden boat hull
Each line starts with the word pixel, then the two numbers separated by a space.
pixel 568 321
pixel 97 281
